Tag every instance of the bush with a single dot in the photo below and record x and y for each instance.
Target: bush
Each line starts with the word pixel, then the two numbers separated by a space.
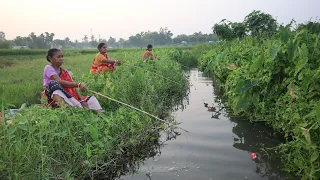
pixel 276 80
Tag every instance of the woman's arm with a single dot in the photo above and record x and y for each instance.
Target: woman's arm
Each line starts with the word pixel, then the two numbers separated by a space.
pixel 82 101
pixel 109 61
pixel 78 94
pixel 68 84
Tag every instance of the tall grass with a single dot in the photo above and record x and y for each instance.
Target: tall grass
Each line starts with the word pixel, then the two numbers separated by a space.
pixel 21 82
pixel 67 143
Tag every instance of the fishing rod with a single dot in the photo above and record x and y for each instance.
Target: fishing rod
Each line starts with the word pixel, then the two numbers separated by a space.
pixel 157 74
pixel 134 108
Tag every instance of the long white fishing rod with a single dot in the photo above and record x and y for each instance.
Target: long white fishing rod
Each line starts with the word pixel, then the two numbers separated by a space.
pixel 134 108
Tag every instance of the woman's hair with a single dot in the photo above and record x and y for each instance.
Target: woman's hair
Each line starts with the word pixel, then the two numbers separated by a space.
pixel 100 45
pixel 149 46
pixel 51 53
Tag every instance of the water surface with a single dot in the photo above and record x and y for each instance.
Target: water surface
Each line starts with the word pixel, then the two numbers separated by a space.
pixel 218 145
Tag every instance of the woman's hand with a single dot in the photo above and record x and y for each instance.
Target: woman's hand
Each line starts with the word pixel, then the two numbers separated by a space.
pixel 83 87
pixel 118 62
pixel 84 104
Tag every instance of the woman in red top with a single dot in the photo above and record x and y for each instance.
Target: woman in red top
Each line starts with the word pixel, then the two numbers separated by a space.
pixel 102 62
pixel 148 55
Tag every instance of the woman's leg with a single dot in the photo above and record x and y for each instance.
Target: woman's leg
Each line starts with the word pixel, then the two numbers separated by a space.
pixel 94 104
pixel 59 97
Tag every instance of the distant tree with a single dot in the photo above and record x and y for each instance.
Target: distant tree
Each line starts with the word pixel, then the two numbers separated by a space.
pixel 85 39
pixel 238 30
pixel 4 44
pixel 2 35
pixel 76 44
pixel 121 42
pixel 93 41
pixel 49 38
pixel 259 23
pixel 223 30
pixel 111 41
pixel 180 38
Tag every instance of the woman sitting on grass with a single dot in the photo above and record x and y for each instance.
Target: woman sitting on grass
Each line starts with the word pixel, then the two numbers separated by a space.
pixel 102 63
pixel 148 55
pixel 60 88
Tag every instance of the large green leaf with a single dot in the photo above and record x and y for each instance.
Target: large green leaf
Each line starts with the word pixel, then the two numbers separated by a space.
pixel 306 80
pixel 256 65
pixel 94 133
pixel 303 58
pixel 318 113
pixel 314 156
pixel 291 48
pixel 284 34
pixel 274 51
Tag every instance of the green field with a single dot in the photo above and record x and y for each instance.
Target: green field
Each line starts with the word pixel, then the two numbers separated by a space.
pixel 70 142
pixel 272 79
pixel 21 80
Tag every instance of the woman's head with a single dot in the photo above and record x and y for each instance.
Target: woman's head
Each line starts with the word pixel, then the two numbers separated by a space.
pixel 55 56
pixel 102 47
pixel 149 47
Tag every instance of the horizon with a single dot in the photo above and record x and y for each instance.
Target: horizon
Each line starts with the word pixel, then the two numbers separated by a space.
pixel 124 18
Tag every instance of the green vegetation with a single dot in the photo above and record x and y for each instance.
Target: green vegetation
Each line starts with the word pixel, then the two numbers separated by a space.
pixel 163 37
pixel 21 76
pixel 276 79
pixel 268 73
pixel 75 143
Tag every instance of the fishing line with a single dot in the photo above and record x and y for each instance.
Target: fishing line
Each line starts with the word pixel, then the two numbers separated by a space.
pixel 134 108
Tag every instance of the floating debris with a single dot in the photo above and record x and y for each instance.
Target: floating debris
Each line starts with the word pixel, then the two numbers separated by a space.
pixel 253 156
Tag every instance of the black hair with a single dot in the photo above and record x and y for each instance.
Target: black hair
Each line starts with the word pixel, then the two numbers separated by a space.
pixel 149 46
pixel 51 53
pixel 100 45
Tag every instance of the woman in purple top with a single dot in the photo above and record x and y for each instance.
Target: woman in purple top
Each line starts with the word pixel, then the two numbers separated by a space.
pixel 60 88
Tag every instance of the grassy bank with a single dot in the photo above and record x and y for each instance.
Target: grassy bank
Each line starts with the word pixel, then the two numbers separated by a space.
pixel 276 80
pixel 21 81
pixel 67 143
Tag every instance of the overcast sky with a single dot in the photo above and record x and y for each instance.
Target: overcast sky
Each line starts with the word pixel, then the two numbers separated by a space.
pixel 122 18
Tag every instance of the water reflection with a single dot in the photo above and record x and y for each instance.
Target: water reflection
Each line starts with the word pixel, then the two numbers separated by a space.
pixel 218 146
pixel 254 137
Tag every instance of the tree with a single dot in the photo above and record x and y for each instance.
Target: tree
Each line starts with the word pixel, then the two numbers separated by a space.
pixel 121 42
pixel 258 23
pixel 85 39
pixel 180 38
pixel 20 41
pixel 238 30
pixel 4 44
pixel 2 36
pixel 49 38
pixel 93 41
pixel 76 44
pixel 223 30
pixel 111 41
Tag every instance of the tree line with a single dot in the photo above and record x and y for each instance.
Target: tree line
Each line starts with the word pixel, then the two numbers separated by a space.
pixel 256 23
pixel 163 37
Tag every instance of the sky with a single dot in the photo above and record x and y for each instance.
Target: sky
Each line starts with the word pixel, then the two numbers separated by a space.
pixel 122 18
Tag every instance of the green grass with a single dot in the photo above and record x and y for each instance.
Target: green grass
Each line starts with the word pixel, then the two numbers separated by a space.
pixel 67 143
pixel 21 81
